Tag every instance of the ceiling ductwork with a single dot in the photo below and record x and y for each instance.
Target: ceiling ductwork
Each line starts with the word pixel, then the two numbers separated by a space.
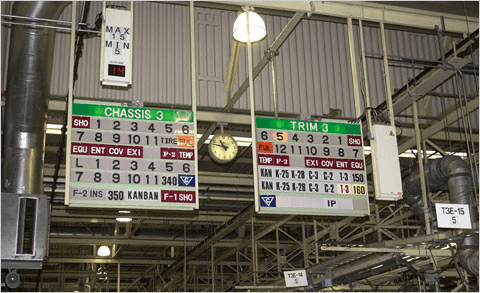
pixel 25 209
pixel 453 174
pixel 28 92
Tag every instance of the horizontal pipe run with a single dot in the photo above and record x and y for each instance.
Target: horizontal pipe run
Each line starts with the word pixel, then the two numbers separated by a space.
pixel 407 251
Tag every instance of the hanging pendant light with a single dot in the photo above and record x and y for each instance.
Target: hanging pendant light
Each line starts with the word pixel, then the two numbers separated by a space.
pixel 103 251
pixel 258 30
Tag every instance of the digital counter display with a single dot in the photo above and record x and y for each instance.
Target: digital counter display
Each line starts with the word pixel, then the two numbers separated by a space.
pixel 116 70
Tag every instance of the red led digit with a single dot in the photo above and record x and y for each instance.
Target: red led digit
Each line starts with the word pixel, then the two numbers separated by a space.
pixel 121 69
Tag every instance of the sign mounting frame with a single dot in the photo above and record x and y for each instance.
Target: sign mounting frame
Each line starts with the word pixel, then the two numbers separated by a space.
pixel 291 172
pixel 127 157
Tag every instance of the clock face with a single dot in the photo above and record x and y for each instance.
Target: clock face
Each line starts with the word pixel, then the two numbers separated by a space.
pixel 223 148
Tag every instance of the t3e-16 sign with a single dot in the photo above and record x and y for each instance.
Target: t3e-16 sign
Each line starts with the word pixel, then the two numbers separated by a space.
pixel 125 157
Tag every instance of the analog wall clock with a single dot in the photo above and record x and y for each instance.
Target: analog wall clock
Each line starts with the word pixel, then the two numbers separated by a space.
pixel 223 148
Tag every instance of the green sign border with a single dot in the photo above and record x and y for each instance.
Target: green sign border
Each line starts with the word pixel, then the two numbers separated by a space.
pixel 327 126
pixel 136 113
pixel 324 126
pixel 90 108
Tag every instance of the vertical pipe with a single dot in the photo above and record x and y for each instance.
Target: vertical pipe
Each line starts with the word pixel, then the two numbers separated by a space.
pixel 377 220
pixel 274 88
pixel 6 43
pixel 184 256
pixel 115 235
pixel 277 241
pixel 317 260
pixel 305 247
pixel 376 184
pixel 30 63
pixel 195 280
pixel 118 277
pixel 212 263
pixel 420 167
pixel 254 256
pixel 353 64
pixel 221 279
pixel 194 88
pixel 70 97
pixel 252 115
pixel 238 267
pixel 387 76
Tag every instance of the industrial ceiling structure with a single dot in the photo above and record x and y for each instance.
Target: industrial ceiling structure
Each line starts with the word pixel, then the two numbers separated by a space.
pixel 225 245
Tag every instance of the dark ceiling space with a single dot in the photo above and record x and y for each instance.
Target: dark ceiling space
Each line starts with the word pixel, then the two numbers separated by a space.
pixel 468 8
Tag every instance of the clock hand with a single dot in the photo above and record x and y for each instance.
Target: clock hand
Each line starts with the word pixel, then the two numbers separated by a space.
pixel 223 145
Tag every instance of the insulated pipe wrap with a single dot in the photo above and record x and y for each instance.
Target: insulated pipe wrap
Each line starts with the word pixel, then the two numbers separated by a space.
pixel 453 174
pixel 28 92
pixel 435 179
pixel 460 189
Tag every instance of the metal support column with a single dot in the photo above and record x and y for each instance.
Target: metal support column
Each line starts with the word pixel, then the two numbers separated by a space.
pixel 315 233
pixel 277 241
pixel 212 259
pixel 353 64
pixel 238 266
pixel 254 255
pixel 252 117
pixel 184 258
pixel 70 95
pixel 274 88
pixel 222 289
pixel 420 167
pixel 306 250
pixel 369 123
pixel 118 277
pixel 387 76
pixel 194 87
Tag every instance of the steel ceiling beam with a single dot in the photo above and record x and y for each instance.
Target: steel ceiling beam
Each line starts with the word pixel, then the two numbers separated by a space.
pixel 429 79
pixel 248 241
pixel 95 240
pixel 448 119
pixel 408 251
pixel 213 239
pixel 131 261
pixel 374 12
pixel 439 135
pixel 281 38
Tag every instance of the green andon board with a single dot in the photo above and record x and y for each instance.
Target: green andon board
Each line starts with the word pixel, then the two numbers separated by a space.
pixel 310 167
pixel 127 157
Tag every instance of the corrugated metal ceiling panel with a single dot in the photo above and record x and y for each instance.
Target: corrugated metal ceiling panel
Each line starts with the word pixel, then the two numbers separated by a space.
pixel 313 69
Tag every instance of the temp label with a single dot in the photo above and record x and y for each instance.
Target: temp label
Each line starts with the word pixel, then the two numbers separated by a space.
pixel 453 216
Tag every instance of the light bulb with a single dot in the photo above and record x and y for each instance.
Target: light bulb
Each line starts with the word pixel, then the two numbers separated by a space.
pixel 257 27
pixel 103 251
